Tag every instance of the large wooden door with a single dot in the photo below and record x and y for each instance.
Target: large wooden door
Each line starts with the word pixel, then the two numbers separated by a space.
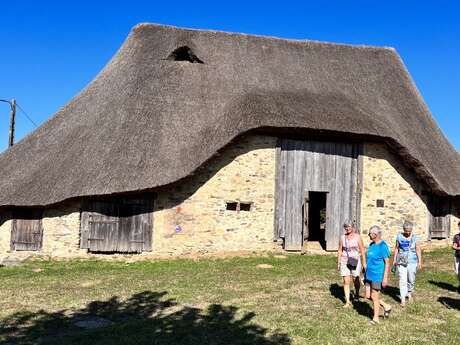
pixel 314 166
pixel 27 230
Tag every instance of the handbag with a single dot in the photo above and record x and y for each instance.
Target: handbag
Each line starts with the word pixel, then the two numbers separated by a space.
pixel 403 260
pixel 352 263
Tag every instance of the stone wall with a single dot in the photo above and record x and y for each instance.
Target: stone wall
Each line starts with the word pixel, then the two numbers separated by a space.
pixel 386 178
pixel 5 233
pixel 191 216
pixel 61 231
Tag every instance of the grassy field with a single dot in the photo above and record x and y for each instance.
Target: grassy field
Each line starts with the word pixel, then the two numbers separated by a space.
pixel 288 300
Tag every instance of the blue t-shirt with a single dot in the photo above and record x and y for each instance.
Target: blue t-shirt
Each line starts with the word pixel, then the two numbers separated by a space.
pixel 407 247
pixel 376 255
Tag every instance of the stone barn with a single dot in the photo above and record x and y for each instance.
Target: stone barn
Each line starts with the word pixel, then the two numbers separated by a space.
pixel 192 142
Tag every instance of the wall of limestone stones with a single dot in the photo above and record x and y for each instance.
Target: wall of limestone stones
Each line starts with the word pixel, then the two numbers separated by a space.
pixel 191 216
pixel 386 178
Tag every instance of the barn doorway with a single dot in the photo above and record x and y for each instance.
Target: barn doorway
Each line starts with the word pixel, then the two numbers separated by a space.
pixel 314 220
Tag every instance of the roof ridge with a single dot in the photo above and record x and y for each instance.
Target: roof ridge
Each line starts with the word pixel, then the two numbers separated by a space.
pixel 140 26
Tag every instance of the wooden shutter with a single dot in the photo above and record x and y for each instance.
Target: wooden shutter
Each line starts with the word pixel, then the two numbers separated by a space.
pixel 439 208
pixel 27 230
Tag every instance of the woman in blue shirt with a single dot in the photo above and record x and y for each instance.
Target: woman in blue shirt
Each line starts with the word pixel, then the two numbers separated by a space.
pixel 376 276
pixel 408 256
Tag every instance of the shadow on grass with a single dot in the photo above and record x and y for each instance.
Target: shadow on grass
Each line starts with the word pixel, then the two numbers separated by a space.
pixel 450 303
pixel 337 291
pixel 145 318
pixel 362 306
pixel 443 285
pixel 393 292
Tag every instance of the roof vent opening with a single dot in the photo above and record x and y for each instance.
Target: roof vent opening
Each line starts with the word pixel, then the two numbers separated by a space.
pixel 184 54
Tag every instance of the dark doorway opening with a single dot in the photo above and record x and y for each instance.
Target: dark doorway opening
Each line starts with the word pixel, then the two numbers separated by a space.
pixel 315 213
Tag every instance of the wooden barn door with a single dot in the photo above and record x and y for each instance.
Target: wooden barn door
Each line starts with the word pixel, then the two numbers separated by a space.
pixel 122 225
pixel 439 219
pixel 27 230
pixel 305 167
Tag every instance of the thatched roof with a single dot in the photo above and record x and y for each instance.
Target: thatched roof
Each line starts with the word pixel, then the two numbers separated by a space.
pixel 147 120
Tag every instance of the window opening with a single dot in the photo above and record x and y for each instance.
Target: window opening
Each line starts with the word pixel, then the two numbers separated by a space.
pixel 245 206
pixel 184 54
pixel 231 206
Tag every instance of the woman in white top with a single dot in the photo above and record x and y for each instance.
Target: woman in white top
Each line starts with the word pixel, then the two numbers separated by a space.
pixel 351 260
pixel 407 257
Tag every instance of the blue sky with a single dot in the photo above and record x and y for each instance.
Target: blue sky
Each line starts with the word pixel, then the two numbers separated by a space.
pixel 51 49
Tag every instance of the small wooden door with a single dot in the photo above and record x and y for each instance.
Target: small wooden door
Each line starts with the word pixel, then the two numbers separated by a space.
pixel 27 230
pixel 440 208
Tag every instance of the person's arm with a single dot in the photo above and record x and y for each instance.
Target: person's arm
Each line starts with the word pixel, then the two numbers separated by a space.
pixel 418 251
pixel 339 254
pixel 396 253
pixel 386 271
pixel 363 253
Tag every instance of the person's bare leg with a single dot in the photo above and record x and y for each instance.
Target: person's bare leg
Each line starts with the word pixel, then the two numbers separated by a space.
pixel 346 290
pixel 357 285
pixel 385 305
pixel 367 290
pixel 375 295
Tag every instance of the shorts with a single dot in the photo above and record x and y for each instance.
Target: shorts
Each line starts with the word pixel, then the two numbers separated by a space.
pixel 377 286
pixel 346 271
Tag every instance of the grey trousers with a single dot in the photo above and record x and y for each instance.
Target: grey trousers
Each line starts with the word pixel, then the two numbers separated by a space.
pixel 406 279
pixel 457 267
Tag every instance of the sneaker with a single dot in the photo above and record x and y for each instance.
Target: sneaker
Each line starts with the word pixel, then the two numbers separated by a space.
pixel 409 296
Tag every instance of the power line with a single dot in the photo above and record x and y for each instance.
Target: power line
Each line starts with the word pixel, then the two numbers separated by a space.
pixel 28 117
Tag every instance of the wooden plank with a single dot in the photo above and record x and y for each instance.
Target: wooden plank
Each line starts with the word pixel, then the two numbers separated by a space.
pixel 359 184
pixel 278 192
pixel 294 197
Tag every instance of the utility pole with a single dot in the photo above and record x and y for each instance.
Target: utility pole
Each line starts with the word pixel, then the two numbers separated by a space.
pixel 12 119
pixel 12 104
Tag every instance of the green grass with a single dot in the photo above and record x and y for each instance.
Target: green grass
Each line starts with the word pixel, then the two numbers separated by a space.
pixel 218 301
